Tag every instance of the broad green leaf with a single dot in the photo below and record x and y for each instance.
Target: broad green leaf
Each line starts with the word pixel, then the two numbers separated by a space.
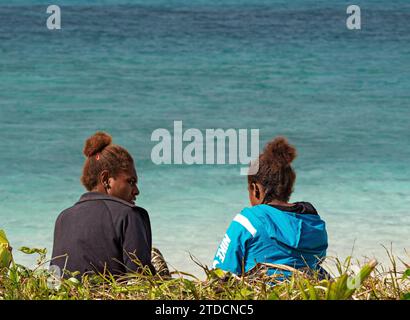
pixel 73 281
pixel 302 290
pixel 219 273
pixel 246 293
pixel 312 291
pixel 5 251
pixel 3 238
pixel 28 250
pixel 363 274
pixel 406 296
pixel 273 296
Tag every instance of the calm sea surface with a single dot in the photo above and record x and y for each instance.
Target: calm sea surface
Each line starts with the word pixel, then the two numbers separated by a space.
pixel 286 68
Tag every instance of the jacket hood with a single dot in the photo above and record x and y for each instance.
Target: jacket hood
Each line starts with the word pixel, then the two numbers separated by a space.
pixel 305 232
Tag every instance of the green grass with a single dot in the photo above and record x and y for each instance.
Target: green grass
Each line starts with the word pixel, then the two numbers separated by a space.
pixel 372 282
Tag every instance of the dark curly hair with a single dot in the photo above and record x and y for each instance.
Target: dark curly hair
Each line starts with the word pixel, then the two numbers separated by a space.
pixel 101 155
pixel 275 173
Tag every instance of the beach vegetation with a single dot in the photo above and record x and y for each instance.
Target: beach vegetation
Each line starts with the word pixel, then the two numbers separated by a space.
pixel 371 282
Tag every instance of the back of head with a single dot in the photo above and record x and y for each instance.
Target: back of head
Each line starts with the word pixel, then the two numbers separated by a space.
pixel 101 154
pixel 275 172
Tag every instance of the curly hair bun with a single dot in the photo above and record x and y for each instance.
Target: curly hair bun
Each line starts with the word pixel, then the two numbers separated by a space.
pixel 280 151
pixel 96 143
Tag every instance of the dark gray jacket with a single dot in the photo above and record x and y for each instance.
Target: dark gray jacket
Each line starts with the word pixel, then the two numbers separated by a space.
pixel 101 231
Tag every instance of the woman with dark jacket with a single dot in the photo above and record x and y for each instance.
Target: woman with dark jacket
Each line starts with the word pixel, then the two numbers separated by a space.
pixel 105 230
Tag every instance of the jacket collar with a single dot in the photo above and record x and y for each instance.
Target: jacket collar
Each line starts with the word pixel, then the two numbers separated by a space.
pixel 93 196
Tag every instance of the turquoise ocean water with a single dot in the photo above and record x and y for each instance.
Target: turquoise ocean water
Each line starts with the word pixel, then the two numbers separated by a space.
pixel 128 67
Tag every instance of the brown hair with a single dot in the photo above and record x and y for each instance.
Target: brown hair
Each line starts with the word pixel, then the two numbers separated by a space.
pixel 275 173
pixel 101 155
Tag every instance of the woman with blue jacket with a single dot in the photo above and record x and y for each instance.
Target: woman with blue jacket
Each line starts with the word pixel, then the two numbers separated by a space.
pixel 273 230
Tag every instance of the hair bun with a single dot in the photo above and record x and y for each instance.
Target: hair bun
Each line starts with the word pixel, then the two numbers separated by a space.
pixel 96 143
pixel 280 151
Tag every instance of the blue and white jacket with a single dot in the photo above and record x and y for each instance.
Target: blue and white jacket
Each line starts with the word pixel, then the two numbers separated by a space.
pixel 296 237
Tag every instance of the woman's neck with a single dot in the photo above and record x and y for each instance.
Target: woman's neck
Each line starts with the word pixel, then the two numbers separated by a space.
pixel 280 203
pixel 99 188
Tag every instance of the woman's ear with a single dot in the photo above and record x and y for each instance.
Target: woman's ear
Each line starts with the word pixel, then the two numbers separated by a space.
pixel 257 192
pixel 254 190
pixel 105 179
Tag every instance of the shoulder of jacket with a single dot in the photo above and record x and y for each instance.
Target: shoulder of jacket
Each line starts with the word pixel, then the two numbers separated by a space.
pixel 65 212
pixel 124 210
pixel 260 217
pixel 247 221
pixel 254 214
